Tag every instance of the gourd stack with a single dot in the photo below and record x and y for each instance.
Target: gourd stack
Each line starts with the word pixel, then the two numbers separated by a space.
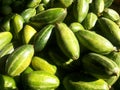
pixel 59 45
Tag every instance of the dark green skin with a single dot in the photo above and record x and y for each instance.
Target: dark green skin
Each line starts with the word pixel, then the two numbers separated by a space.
pixel 67 41
pixel 52 15
pixel 116 85
pixel 7 2
pixel 100 66
pixel 109 30
pixel 62 61
pixel 17 22
pixel 108 3
pixel 115 56
pixel 6 10
pixel 6 23
pixel 42 37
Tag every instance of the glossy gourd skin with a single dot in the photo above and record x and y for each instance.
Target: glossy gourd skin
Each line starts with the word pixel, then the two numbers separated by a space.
pixel 40 80
pixel 19 60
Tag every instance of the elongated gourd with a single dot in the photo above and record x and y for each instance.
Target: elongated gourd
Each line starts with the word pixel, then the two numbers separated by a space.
pixel 19 60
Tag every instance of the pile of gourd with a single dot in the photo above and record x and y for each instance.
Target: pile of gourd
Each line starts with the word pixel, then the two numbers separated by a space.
pixel 59 45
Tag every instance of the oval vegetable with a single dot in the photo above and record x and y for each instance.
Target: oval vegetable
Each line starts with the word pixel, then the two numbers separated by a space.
pixel 80 9
pixel 17 23
pixel 110 30
pixel 78 81
pixel 100 66
pixel 5 38
pixel 94 42
pixel 67 41
pixel 39 63
pixel 52 15
pixel 40 80
pixel 19 60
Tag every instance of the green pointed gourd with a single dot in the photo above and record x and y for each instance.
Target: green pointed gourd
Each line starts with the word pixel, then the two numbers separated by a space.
pixel 19 60
pixel 52 15
pixel 40 80
pixel 94 42
pixel 100 66
pixel 67 41
pixel 110 30
pixel 111 14
pixel 81 81
pixel 80 9
pixel 39 63
pixel 42 37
